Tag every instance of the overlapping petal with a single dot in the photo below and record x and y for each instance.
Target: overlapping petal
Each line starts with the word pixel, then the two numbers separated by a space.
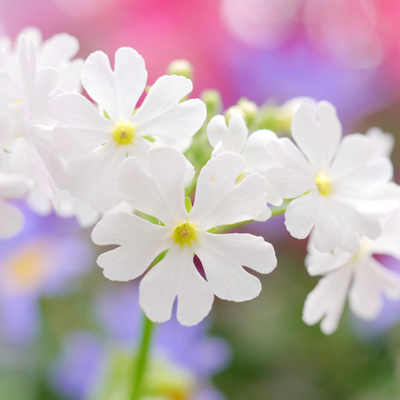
pixel 317 135
pixel 357 166
pixel 339 224
pixel 255 154
pixel 165 94
pixel 140 243
pixel 160 192
pixel 371 280
pixel 94 177
pixel 175 276
pixel 295 176
pixel 223 264
pixel 117 92
pixel 327 300
pixel 220 199
pixel 388 242
pixel 178 123
pixel 233 136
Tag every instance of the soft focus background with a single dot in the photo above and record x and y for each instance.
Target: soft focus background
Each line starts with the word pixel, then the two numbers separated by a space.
pixel 62 325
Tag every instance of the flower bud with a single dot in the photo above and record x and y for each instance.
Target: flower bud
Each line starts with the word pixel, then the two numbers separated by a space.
pixel 180 67
pixel 212 99
pixel 246 108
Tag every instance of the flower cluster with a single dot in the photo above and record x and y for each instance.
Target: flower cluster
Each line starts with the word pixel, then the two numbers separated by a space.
pixel 119 156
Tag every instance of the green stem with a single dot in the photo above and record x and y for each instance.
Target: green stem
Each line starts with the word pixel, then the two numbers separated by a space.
pixel 141 359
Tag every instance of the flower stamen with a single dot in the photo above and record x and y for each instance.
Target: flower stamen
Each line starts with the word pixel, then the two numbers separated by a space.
pixel 323 183
pixel 124 134
pixel 185 234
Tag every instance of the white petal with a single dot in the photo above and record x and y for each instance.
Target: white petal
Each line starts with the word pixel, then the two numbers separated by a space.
pixel 94 177
pixel 383 142
pixel 296 175
pixel 32 34
pixel 12 186
pixel 378 201
pixel 223 256
pixel 388 242
pixel 339 224
pixel 11 220
pixel 245 249
pixel 317 138
pixel 219 200
pixel 159 288
pixel 367 177
pixel 70 206
pixel 216 130
pixel 70 76
pixel 177 123
pixel 39 171
pixel 255 154
pixel 45 148
pixel 58 50
pixel 159 193
pixel 327 300
pixel 98 80
pixel 130 79
pixel 9 92
pixel 264 214
pixel 45 84
pixel 164 95
pixel 140 243
pixel 233 137
pixel 370 281
pixel 354 150
pixel 180 145
pixel 195 295
pixel 319 263
pixel 75 143
pixel 39 202
pixel 77 111
pixel 27 61
pixel 301 214
pixel 273 197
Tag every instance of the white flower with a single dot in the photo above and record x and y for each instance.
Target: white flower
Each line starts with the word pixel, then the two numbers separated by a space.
pixel 11 219
pixel 96 145
pixel 24 97
pixel 339 186
pixel 56 52
pixel 219 201
pixel 235 138
pixel 359 276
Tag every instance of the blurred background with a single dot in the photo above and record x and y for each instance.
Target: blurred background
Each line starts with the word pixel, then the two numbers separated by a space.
pixel 64 329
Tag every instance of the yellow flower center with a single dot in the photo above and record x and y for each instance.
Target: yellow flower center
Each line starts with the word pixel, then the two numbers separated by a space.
pixel 185 234
pixel 323 183
pixel 124 134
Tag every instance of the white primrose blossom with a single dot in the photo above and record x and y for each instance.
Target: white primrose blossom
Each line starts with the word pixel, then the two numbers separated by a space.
pixel 30 152
pixel 339 186
pixel 235 138
pixel 220 200
pixel 96 141
pixel 11 218
pixel 360 277
pixel 56 52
